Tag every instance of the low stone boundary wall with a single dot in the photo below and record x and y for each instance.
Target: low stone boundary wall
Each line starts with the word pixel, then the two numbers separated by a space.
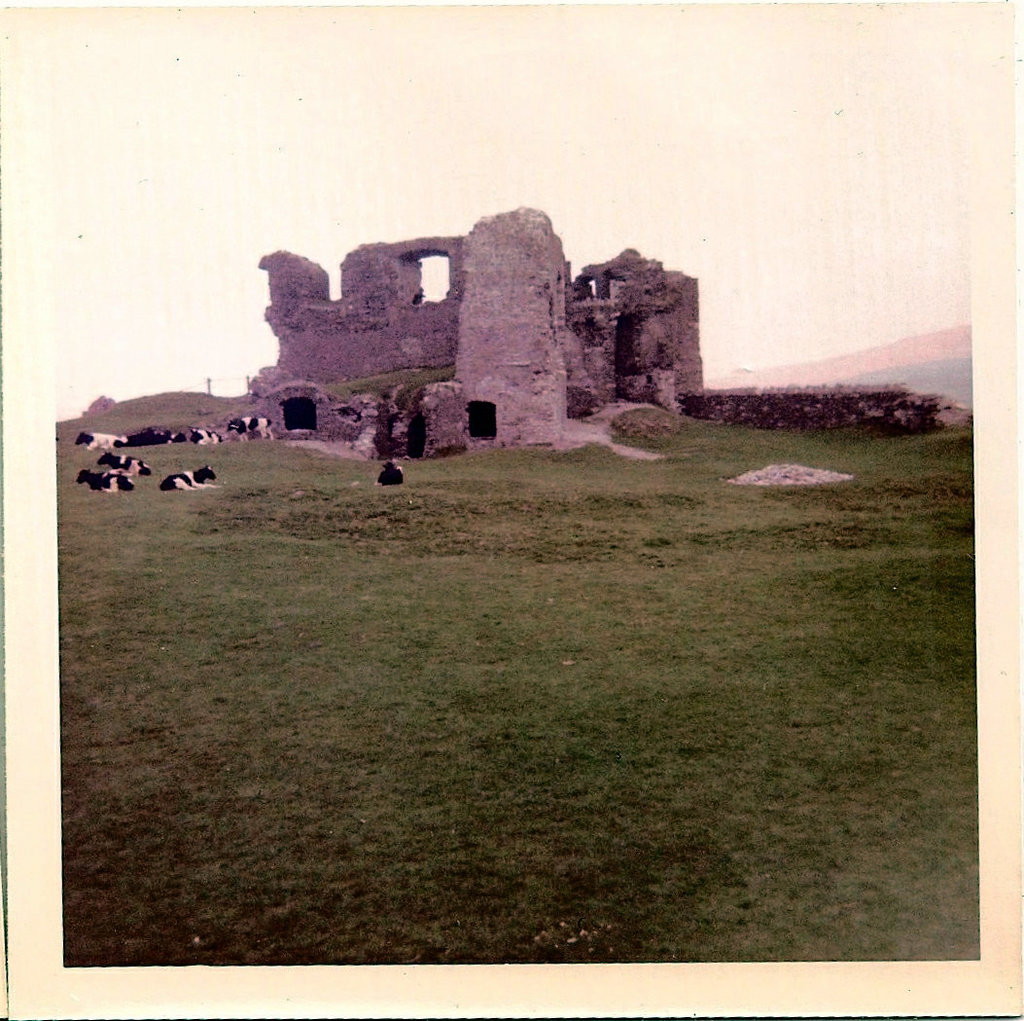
pixel 890 410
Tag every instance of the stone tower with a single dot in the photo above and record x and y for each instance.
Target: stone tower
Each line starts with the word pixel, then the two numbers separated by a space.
pixel 512 330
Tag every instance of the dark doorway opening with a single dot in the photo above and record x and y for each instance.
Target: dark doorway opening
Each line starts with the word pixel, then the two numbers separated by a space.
pixel 627 334
pixel 416 438
pixel 299 413
pixel 483 419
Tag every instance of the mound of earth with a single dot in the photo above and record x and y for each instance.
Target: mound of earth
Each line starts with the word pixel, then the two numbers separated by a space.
pixel 788 475
pixel 597 428
pixel 100 405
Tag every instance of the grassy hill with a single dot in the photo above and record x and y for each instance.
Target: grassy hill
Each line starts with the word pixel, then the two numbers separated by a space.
pixel 951 377
pixel 173 410
pixel 527 707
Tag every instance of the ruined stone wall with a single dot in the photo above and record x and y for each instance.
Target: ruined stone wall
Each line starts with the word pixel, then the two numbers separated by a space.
pixel 378 280
pixel 891 410
pixel 431 424
pixel 638 327
pixel 317 414
pixel 294 281
pixel 683 320
pixel 380 324
pixel 530 347
pixel 443 408
pixel 592 324
pixel 512 327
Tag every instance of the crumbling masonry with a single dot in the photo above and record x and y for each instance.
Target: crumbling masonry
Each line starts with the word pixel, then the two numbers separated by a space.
pixel 530 347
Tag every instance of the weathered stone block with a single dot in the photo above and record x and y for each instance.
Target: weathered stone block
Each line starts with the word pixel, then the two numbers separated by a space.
pixel 444 412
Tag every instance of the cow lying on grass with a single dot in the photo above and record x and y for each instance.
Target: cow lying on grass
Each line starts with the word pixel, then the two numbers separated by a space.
pixel 103 441
pixel 124 465
pixel 105 482
pixel 151 436
pixel 391 475
pixel 194 434
pixel 154 436
pixel 189 480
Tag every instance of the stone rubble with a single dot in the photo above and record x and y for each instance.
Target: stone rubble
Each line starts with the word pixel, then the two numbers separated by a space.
pixel 788 475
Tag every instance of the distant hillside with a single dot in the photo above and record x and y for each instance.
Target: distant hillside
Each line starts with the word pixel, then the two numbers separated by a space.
pixel 930 363
pixel 950 377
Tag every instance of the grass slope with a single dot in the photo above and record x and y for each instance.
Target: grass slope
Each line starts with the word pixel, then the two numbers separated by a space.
pixel 174 410
pixel 527 707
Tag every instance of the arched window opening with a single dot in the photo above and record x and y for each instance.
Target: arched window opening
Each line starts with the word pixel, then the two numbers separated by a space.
pixel 483 419
pixel 299 413
pixel 416 438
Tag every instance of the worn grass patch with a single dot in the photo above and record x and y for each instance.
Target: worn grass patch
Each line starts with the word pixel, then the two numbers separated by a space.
pixel 527 707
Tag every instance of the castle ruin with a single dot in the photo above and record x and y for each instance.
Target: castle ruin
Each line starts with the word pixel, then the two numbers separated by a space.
pixel 530 346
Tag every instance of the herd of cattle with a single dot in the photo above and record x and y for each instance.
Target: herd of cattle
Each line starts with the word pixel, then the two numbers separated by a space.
pixel 119 479
pixel 151 436
pixel 120 469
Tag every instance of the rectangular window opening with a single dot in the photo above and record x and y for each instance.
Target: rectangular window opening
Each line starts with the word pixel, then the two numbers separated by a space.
pixel 483 420
pixel 434 278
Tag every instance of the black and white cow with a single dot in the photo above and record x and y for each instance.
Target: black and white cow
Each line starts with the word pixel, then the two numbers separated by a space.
pixel 189 480
pixel 251 426
pixel 125 465
pixel 193 434
pixel 151 436
pixel 105 482
pixel 391 475
pixel 102 441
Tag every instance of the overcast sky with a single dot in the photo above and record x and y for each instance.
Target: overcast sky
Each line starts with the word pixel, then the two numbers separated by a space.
pixel 810 165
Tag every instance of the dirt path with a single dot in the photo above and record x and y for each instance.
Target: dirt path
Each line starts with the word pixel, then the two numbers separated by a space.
pixel 598 429
pixel 578 433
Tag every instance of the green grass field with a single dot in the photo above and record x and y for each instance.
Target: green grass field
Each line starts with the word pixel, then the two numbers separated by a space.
pixel 530 706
